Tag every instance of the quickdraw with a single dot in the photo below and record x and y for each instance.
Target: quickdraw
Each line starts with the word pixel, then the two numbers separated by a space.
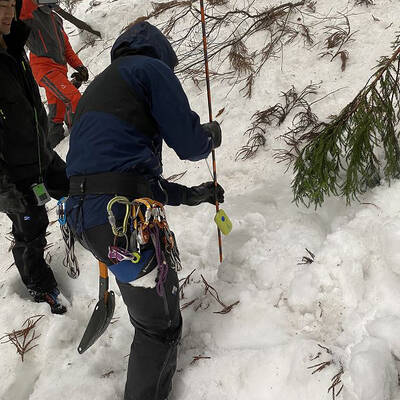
pixel 62 217
pixel 142 217
pixel 70 261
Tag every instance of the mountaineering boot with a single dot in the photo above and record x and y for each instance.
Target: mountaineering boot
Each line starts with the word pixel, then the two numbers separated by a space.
pixel 50 298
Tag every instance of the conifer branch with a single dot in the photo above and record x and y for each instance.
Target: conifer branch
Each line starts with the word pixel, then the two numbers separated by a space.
pixel 341 156
pixel 276 115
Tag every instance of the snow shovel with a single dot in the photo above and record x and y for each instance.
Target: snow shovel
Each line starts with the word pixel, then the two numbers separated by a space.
pixel 102 313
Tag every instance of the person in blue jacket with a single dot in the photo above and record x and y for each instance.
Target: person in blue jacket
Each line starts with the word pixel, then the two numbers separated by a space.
pixel 122 119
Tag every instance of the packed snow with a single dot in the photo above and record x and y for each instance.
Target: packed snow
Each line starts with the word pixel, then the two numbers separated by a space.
pixel 299 326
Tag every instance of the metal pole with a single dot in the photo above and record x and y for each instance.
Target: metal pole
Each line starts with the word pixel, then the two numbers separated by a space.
pixel 214 163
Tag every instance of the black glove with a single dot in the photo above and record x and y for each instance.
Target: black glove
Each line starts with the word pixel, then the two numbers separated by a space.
pixel 13 202
pixel 204 193
pixel 213 130
pixel 82 75
pixel 76 81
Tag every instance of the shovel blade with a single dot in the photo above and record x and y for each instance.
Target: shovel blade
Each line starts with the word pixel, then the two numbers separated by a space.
pixel 98 322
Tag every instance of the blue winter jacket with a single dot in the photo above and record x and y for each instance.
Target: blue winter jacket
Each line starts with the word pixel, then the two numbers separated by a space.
pixel 126 113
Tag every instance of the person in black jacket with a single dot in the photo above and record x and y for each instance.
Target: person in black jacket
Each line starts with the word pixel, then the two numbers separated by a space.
pixel 26 159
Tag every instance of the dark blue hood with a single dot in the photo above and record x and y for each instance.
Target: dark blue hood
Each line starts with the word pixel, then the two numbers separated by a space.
pixel 145 39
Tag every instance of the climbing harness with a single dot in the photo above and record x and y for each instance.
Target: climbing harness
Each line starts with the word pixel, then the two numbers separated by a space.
pixel 144 226
pixel 70 261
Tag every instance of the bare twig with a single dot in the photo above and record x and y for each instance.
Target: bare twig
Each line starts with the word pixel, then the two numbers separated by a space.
pixel 306 259
pixel 186 282
pixel 8 268
pixel 320 366
pixel 107 374
pixel 176 177
pixel 336 381
pixel 75 21
pixel 199 357
pixel 329 351
pixel 209 289
pixel 189 303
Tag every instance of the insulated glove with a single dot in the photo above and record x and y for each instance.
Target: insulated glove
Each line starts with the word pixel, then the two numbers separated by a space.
pixel 204 193
pixel 82 74
pixel 213 130
pixel 76 81
pixel 12 201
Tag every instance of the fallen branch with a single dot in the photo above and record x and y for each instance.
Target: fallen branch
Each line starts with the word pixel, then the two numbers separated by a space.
pixel 186 282
pixel 199 357
pixel 209 289
pixel 306 259
pixel 23 339
pixel 75 21
pixel 189 303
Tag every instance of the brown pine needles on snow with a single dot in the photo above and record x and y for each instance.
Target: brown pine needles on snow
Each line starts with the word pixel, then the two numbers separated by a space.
pixel 23 338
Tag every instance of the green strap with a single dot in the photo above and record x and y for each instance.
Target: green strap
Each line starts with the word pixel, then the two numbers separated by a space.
pixel 38 146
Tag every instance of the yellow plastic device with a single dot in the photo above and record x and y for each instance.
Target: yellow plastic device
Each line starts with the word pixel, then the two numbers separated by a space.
pixel 223 222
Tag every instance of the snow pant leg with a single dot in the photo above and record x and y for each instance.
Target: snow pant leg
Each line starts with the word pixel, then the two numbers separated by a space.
pixel 158 324
pixel 55 119
pixel 56 108
pixel 29 231
pixel 66 94
pixel 157 321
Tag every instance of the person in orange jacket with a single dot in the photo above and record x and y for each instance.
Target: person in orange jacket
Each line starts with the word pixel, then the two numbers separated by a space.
pixel 50 52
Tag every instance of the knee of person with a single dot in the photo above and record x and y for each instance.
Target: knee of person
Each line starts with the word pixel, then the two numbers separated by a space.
pixel 75 99
pixel 175 333
pixel 29 240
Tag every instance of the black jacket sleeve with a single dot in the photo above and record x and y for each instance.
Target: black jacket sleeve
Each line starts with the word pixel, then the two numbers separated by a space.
pixel 11 200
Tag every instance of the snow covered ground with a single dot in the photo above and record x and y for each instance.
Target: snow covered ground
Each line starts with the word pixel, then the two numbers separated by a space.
pixel 343 309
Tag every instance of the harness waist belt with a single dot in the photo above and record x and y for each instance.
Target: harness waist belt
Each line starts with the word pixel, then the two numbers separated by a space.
pixel 121 183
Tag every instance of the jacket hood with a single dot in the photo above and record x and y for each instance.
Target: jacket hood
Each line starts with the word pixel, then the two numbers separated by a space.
pixel 17 37
pixel 145 39
pixel 19 32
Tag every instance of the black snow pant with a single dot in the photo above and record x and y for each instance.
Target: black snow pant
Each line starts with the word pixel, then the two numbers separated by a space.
pixel 157 321
pixel 29 230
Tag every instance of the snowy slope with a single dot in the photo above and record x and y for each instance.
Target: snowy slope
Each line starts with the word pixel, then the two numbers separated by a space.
pixel 343 308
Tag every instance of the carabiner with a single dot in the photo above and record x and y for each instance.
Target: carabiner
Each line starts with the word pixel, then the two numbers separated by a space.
pixel 62 217
pixel 118 231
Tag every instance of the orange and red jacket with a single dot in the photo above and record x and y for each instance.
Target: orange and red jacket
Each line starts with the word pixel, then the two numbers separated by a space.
pixel 48 43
